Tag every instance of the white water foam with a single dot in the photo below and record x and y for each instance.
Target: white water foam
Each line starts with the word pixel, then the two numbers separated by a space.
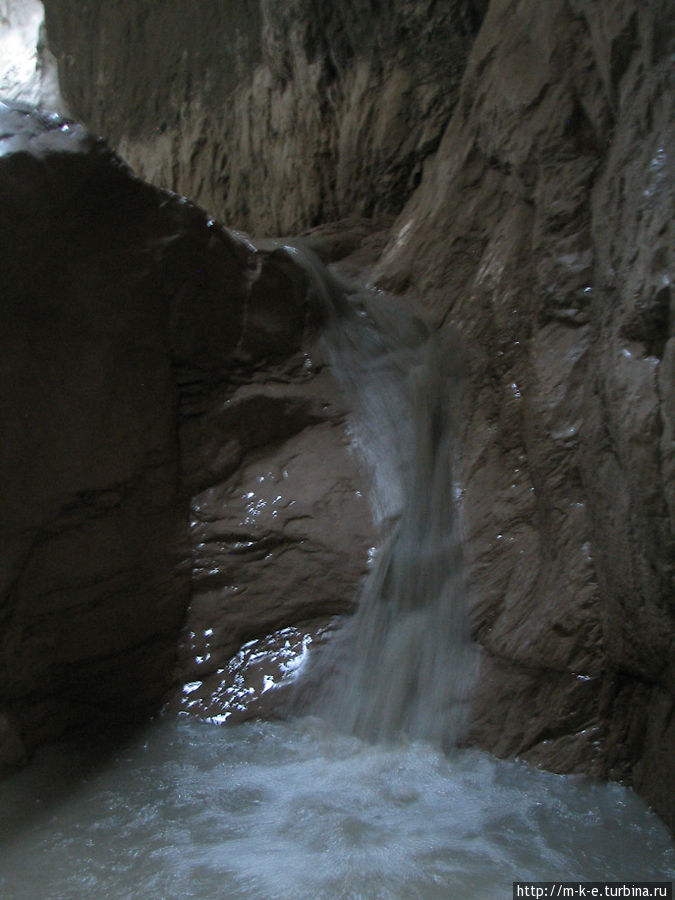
pixel 272 811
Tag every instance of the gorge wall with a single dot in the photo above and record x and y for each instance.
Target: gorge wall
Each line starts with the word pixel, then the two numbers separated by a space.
pixel 153 364
pixel 274 116
pixel 543 232
pixel 525 150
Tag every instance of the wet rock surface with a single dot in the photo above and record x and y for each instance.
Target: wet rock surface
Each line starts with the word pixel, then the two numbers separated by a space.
pixel 282 540
pixel 555 265
pixel 150 356
pixel 538 226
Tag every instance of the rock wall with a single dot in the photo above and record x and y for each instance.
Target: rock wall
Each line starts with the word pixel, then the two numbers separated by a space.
pixel 543 233
pixel 538 226
pixel 146 352
pixel 272 115
pixel 92 586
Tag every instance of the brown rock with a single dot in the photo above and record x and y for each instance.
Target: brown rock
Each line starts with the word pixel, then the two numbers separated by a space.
pixel 93 577
pixel 284 539
pixel 149 355
pixel 539 226
pixel 274 116
pixel 555 266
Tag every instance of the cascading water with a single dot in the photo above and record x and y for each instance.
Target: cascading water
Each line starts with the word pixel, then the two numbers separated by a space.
pixel 405 662
pixel 304 810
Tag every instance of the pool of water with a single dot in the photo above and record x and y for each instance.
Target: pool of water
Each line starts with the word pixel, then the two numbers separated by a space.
pixel 293 810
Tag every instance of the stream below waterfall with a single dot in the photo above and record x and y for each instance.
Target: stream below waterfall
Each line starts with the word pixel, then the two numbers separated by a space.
pixel 294 810
pixel 355 797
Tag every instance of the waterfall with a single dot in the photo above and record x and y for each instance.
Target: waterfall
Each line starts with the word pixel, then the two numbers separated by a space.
pixel 404 663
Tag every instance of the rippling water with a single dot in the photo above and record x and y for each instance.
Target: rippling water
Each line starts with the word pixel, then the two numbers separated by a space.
pixel 292 810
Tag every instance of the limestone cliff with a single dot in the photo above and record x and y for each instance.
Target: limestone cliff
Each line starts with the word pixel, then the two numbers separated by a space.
pixel 532 171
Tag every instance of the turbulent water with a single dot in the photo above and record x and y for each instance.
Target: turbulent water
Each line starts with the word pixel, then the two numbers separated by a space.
pixel 358 800
pixel 404 664
pixel 288 811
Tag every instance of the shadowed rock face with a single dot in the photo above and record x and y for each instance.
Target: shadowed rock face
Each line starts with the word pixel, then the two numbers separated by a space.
pixel 273 115
pixel 93 577
pixel 538 224
pixel 149 356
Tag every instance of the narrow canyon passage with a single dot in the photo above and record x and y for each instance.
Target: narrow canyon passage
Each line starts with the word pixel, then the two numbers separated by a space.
pixel 336 540
pixel 360 792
